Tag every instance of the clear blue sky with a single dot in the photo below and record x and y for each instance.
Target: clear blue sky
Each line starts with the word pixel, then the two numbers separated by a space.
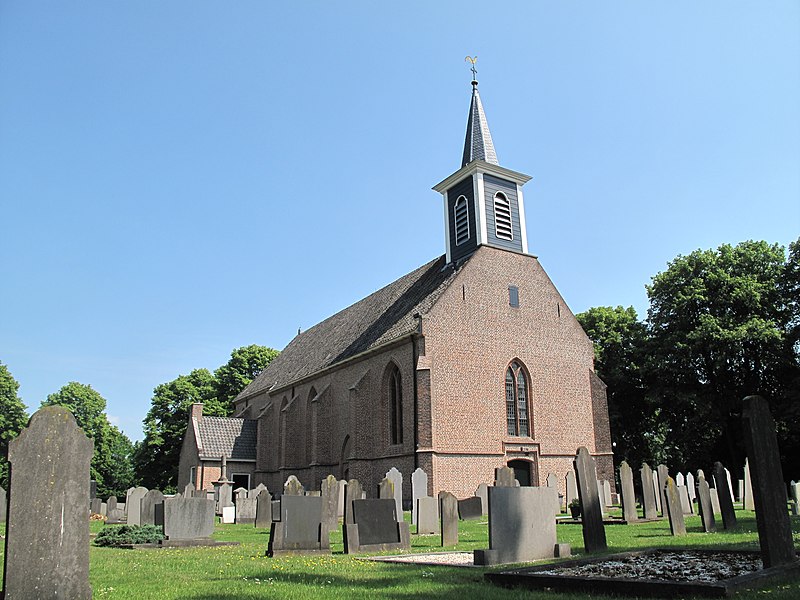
pixel 178 179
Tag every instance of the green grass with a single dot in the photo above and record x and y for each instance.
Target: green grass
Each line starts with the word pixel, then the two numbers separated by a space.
pixel 243 572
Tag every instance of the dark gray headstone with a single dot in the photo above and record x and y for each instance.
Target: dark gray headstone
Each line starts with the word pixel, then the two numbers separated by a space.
pixel 134 505
pixel 396 478
pixel 648 493
pixel 674 510
pixel 263 509
pixel 148 507
pixel 448 509
pixel 774 527
pixel 377 521
pixel 3 505
pixel 293 487
pixel 427 515
pixel 329 492
pixel 470 508
pixel 629 512
pixel 594 534
pixel 663 474
pixel 504 477
pixel 94 506
pixel 704 503
pixel 47 535
pixel 521 525
pixel 748 502
pixel 353 491
pixel 482 492
pixel 300 528
pixel 419 489
pixel 92 489
pixel 724 496
pixel 185 518
pixel 246 511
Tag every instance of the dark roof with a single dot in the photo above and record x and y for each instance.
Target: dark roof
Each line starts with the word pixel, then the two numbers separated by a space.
pixel 478 143
pixel 381 317
pixel 233 438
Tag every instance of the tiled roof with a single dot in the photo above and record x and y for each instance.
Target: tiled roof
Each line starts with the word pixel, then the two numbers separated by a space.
pixel 381 317
pixel 478 143
pixel 234 438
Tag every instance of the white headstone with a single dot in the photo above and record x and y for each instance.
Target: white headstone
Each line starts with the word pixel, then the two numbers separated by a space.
pixel 419 489
pixel 228 514
pixel 690 486
pixel 396 477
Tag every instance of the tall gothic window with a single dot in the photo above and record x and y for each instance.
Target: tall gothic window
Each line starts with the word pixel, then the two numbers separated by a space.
pixel 395 390
pixel 517 419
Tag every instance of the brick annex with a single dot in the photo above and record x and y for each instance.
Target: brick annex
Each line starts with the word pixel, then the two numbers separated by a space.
pixel 472 361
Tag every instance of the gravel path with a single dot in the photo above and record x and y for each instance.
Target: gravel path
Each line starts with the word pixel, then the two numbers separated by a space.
pixel 457 559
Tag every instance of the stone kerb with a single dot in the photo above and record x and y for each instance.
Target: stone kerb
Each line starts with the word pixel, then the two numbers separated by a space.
pixel 47 555
pixel 594 534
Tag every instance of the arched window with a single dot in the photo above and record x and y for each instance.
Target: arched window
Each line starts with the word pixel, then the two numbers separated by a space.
pixel 517 408
pixel 461 220
pixel 395 392
pixel 502 217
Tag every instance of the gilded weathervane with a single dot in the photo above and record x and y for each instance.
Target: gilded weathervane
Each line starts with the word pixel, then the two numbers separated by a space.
pixel 473 60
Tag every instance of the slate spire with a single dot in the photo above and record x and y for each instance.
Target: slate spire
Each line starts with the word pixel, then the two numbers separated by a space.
pixel 478 144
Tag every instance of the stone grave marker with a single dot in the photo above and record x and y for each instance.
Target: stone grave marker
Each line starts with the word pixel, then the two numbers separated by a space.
pixel 238 493
pixel 482 492
pixel 246 511
pixel 663 473
pixel 3 505
pixel 263 509
pixel 748 487
pixel 601 497
pixel 340 505
pixel 740 491
pixel 228 514
pixel 293 487
pixel 680 481
pixel 396 478
pixel 521 525
pixel 419 489
pixel 329 492
pixel 134 505
pixel 185 518
pixel 94 506
pixel 314 493
pixel 111 504
pixel 256 491
pixel 301 529
pixel 92 489
pixel 504 477
pixel 715 502
pixel 47 534
pixel 386 489
pixel 147 510
pixel 607 492
pixel 104 509
pixel 448 510
pixel 427 515
pixel 774 526
pixel 572 487
pixel 594 534
pixel 629 512
pixel 656 492
pixel 690 487
pixel 375 527
pixel 704 504
pixel 794 491
pixel 730 484
pixel 353 491
pixel 225 496
pixel 470 508
pixel 683 496
pixel 552 482
pixel 648 493
pixel 189 490
pixel 677 525
pixel 724 496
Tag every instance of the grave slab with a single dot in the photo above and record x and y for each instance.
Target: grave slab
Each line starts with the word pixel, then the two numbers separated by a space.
pixel 375 527
pixel 470 508
pixel 263 509
pixel 301 529
pixel 448 511
pixel 629 512
pixel 594 534
pixel 427 515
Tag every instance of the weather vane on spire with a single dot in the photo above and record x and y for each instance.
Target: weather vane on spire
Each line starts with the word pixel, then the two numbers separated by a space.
pixel 473 60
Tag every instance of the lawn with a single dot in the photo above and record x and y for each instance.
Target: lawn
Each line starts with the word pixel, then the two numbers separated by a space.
pixel 244 572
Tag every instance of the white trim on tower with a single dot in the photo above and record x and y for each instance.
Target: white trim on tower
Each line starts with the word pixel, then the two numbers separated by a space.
pixel 446 228
pixel 484 236
pixel 523 230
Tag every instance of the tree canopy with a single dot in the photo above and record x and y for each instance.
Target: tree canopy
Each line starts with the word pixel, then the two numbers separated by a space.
pixel 13 418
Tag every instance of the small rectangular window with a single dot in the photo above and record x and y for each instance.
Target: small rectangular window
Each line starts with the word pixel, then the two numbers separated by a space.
pixel 513 296
pixel 193 476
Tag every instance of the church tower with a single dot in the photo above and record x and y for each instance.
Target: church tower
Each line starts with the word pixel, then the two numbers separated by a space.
pixel 483 203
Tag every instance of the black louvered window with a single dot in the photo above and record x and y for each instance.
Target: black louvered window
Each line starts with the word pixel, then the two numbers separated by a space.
pixel 517 406
pixel 462 220
pixel 502 217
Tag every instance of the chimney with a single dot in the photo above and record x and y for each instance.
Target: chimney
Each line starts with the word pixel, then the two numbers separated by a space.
pixel 197 411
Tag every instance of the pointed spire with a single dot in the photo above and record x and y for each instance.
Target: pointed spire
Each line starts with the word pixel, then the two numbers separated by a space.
pixel 478 144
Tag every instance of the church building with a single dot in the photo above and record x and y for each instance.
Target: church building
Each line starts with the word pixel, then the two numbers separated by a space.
pixel 470 362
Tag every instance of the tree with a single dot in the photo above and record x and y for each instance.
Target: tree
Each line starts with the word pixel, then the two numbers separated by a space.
pixel 242 368
pixel 13 418
pixel 111 461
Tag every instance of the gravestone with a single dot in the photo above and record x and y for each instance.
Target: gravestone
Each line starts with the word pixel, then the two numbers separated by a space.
pixel 314 493
pixel 147 510
pixel 715 502
pixel 3 505
pixel 300 529
pixel 794 491
pixel 482 492
pixel 648 493
pixel 448 510
pixel 94 506
pixel 329 491
pixel 340 505
pixel 690 487
pixel 185 518
pixel 263 509
pixel 629 512
pixel 133 505
pixel 740 491
pixel 594 534
pixel 663 474
pixel 419 489
pixel 683 496
pixel 353 491
pixel 521 525
pixel 396 478
pixel 724 496
pixel 656 492
pixel 427 515
pixel 246 511
pixel 730 484
pixel 189 490
pixel 47 533
pixel 607 492
pixel 705 505
pixel 572 487
pixel 375 527
pixel 228 514
pixel 224 495
pixel 470 508
pixel 104 509
pixel 552 482
pixel 601 497
pixel 748 487
pixel 677 525
pixel 386 489
pixel 92 489
pixel 680 481
pixel 256 491
pixel 111 504
pixel 774 526
pixel 504 477
pixel 293 487
pixel 238 493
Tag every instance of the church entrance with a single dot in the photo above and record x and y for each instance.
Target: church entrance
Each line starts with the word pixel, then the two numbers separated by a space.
pixel 524 471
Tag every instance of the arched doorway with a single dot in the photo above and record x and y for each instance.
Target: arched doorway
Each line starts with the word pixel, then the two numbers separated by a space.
pixel 522 471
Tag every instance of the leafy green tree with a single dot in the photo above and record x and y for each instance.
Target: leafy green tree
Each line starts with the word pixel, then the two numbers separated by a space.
pixel 111 462
pixel 13 418
pixel 242 368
